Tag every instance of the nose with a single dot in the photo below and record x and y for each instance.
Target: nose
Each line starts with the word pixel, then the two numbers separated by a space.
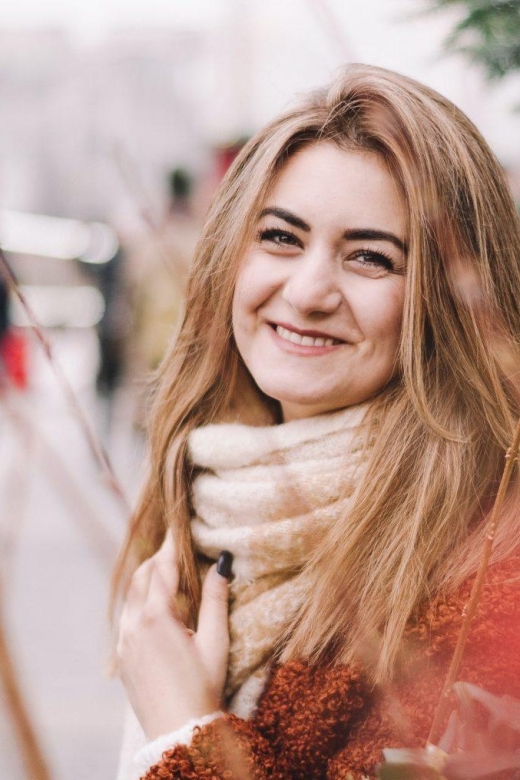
pixel 312 286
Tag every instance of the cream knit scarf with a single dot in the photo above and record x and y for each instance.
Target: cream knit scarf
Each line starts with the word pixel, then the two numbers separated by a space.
pixel 267 495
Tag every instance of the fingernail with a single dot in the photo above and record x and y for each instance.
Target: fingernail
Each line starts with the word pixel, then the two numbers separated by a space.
pixel 224 563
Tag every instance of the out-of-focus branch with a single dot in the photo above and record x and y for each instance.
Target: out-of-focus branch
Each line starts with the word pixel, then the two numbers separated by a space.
pixel 14 487
pixel 472 605
pixel 32 754
pixel 134 187
pixel 470 289
pixel 103 544
pixel 332 27
pixel 96 447
pixel 130 179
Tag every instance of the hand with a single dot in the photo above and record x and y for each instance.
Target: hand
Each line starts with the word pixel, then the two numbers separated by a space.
pixel 170 673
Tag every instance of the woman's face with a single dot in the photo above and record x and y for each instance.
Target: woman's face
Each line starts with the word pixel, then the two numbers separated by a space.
pixel 319 297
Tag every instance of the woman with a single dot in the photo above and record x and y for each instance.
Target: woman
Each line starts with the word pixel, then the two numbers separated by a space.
pixel 334 413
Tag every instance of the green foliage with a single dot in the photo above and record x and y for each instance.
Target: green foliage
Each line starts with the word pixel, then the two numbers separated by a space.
pixel 488 33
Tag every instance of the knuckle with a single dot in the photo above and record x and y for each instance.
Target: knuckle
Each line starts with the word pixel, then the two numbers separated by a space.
pixel 165 550
pixel 137 578
pixel 162 566
pixel 152 615
pixel 142 569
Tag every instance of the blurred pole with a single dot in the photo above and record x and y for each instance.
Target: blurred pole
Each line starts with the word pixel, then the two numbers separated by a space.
pixel 32 754
pixel 332 26
pixel 241 64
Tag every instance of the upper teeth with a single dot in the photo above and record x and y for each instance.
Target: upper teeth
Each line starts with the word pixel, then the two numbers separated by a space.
pixel 306 341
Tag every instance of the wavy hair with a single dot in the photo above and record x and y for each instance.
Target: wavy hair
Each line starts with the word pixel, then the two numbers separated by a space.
pixel 416 525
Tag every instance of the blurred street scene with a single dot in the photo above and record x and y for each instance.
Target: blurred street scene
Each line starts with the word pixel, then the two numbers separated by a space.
pixel 117 121
pixel 59 530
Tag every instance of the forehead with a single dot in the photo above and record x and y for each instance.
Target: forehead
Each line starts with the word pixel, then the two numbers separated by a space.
pixel 325 184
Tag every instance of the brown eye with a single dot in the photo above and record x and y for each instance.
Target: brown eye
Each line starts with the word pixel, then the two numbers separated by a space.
pixel 279 237
pixel 373 261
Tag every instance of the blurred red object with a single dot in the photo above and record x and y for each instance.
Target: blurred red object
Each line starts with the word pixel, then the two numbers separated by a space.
pixel 226 153
pixel 14 357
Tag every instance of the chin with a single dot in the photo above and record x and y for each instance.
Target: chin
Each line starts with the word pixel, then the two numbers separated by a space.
pixel 291 398
pixel 297 406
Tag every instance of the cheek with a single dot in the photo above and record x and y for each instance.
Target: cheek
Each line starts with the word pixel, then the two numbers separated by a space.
pixel 246 300
pixel 255 285
pixel 383 317
pixel 241 304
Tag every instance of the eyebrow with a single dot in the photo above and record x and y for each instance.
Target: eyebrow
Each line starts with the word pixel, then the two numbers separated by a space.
pixel 368 234
pixel 355 234
pixel 287 216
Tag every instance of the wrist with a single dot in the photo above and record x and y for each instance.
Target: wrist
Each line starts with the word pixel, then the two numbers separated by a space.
pixel 172 721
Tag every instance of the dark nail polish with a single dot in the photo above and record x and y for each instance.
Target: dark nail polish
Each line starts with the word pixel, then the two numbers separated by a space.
pixel 224 563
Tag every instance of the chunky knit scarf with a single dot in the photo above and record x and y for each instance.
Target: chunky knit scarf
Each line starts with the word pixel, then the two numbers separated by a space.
pixel 268 494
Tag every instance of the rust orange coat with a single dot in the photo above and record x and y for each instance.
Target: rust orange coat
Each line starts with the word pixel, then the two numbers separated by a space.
pixel 326 722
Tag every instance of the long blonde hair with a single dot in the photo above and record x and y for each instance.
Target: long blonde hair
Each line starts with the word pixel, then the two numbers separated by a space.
pixel 416 525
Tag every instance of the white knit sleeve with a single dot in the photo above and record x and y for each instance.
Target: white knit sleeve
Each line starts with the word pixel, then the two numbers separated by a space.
pixel 151 753
pixel 137 755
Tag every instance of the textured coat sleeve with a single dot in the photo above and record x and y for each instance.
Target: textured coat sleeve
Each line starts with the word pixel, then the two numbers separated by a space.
pixel 228 748
pixel 292 735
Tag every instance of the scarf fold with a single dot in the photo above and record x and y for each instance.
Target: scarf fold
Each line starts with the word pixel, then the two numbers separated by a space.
pixel 268 495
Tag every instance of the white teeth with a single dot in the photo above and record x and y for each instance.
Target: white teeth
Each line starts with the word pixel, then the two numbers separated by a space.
pixel 305 341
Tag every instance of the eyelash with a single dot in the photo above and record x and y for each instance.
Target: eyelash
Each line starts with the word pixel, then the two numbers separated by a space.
pixel 270 234
pixel 275 235
pixel 376 258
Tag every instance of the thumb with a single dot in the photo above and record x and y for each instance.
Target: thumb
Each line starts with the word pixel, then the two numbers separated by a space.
pixel 212 629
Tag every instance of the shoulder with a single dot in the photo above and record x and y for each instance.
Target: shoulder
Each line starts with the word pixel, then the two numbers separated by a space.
pixel 498 602
pixel 299 691
pixel 492 653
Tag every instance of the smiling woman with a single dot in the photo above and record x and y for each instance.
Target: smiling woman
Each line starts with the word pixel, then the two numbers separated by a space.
pixel 319 297
pixel 332 417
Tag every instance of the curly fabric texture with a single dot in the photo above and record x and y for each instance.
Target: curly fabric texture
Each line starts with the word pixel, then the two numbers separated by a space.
pixel 327 723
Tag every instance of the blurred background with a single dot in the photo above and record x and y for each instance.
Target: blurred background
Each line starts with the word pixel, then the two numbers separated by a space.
pixel 117 120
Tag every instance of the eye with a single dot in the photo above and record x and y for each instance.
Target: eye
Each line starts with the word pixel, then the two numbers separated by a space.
pixel 278 237
pixel 373 263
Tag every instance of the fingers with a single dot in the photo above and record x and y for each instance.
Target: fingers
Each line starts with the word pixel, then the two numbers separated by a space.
pixel 162 592
pixel 153 590
pixel 140 583
pixel 154 584
pixel 164 665
pixel 212 636
pixel 166 566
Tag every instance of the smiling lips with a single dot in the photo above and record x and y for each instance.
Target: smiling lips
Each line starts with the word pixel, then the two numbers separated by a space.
pixel 304 339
